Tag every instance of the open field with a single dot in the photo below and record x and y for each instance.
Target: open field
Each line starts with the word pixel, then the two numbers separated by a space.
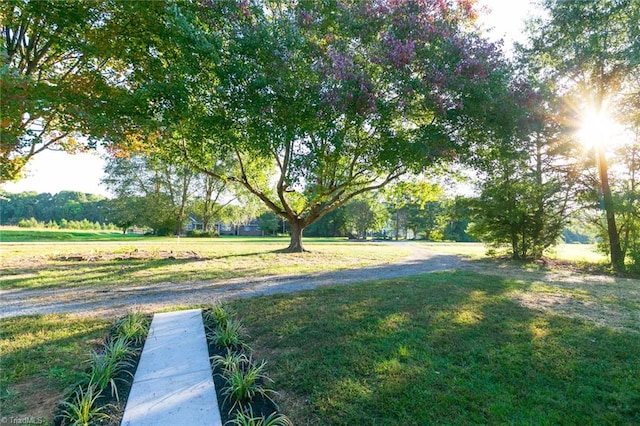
pixel 480 342
pixel 145 261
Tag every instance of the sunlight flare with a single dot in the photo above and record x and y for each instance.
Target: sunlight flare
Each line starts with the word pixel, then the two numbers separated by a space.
pixel 597 128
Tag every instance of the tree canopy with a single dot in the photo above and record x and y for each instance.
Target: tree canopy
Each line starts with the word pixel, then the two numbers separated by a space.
pixel 65 75
pixel 590 50
pixel 339 98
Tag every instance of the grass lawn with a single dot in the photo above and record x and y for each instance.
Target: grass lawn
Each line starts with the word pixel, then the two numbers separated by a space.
pixel 144 260
pixel 41 358
pixel 446 348
pixel 578 253
pixel 14 234
pixel 532 346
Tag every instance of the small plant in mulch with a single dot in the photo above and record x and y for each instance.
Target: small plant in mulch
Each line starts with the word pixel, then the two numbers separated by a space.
pixel 82 409
pixel 243 387
pixel 98 399
pixel 133 327
pixel 249 419
pixel 245 380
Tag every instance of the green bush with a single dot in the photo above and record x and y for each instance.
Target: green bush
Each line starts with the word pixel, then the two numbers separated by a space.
pixel 82 411
pixel 30 223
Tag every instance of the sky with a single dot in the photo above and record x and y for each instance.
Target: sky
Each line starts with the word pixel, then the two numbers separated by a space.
pixel 54 171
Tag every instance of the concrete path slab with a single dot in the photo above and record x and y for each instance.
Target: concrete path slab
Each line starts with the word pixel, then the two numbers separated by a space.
pixel 173 385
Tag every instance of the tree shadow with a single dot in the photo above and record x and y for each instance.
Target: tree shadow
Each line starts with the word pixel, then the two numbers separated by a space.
pixel 451 348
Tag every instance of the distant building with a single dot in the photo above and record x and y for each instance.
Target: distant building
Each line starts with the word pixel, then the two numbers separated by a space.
pixel 250 229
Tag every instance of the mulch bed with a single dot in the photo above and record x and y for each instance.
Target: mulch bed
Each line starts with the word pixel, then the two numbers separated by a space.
pixel 260 405
pixel 123 380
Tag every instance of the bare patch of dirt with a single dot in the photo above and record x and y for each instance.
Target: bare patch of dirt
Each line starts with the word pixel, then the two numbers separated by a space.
pixel 132 255
pixel 40 401
pixel 602 314
pixel 576 267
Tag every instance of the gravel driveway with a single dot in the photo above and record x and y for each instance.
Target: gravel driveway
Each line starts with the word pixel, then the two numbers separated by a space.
pixel 118 300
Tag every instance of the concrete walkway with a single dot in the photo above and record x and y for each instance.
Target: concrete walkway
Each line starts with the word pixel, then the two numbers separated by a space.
pixel 173 385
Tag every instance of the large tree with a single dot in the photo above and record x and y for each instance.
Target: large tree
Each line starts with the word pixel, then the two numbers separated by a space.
pixel 592 50
pixel 406 198
pixel 339 98
pixel 66 73
pixel 365 213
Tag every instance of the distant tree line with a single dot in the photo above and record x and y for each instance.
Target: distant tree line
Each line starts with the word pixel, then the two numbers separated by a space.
pixel 83 224
pixel 60 208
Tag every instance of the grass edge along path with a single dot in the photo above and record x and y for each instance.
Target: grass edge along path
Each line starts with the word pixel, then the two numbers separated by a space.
pixel 41 360
pixel 54 366
pixel 450 348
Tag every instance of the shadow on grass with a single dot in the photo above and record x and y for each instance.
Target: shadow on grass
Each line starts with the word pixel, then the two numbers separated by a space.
pixel 444 348
pixel 42 357
pixel 71 273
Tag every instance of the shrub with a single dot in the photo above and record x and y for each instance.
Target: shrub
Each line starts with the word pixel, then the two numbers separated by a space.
pixel 245 381
pixel 82 410
pixel 248 419
pixel 133 327
pixel 30 223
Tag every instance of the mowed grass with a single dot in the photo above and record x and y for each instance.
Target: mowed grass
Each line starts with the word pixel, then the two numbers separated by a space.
pixel 145 261
pixel 446 348
pixel 14 234
pixel 41 358
pixel 574 253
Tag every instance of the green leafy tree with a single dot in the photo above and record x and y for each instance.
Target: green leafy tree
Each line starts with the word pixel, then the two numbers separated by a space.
pixel 428 220
pixel 125 211
pixel 458 217
pixel 212 197
pixel 524 202
pixel 67 205
pixel 592 48
pixel 62 74
pixel 165 186
pixel 333 224
pixel 269 223
pixel 340 98
pixel 365 213
pixel 406 199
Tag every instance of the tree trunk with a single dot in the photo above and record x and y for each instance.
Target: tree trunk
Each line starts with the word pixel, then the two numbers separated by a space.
pixel 617 258
pixel 295 246
pixel 397 224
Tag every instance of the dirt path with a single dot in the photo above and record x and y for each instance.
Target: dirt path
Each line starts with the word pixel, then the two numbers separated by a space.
pixel 603 300
pixel 118 300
